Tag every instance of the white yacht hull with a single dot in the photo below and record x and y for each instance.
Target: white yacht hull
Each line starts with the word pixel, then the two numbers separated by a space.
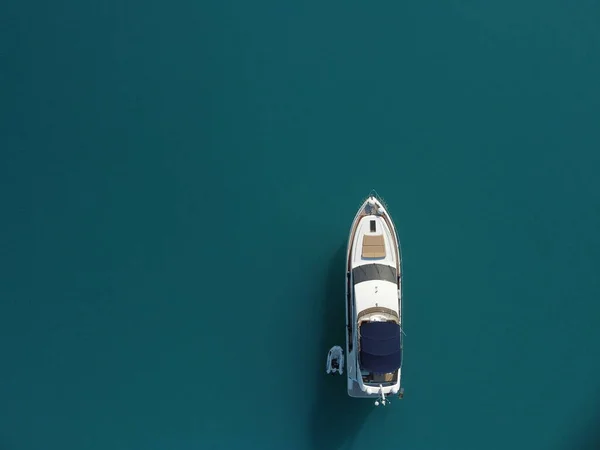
pixel 373 294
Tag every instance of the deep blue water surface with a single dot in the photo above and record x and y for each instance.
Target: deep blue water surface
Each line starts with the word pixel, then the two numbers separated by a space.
pixel 178 183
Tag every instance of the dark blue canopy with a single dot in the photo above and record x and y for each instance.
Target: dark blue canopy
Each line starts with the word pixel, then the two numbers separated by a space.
pixel 380 347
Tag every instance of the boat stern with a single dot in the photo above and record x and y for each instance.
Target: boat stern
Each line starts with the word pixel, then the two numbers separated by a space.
pixel 377 393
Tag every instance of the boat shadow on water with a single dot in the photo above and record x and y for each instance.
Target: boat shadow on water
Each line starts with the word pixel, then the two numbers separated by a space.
pixel 336 418
pixel 587 436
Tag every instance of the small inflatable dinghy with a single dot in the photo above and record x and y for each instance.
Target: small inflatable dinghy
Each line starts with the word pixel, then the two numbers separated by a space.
pixel 335 360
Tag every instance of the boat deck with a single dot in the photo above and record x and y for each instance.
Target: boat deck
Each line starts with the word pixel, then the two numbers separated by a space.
pixel 373 243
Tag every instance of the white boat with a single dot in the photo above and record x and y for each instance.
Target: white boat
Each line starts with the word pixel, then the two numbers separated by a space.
pixel 374 305
pixel 335 360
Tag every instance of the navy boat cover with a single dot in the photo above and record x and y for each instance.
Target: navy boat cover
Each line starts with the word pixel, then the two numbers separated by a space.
pixel 380 347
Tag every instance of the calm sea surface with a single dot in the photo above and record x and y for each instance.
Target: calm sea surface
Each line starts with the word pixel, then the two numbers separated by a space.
pixel 178 182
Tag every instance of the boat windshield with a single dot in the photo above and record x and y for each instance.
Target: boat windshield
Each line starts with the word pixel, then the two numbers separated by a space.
pixel 369 272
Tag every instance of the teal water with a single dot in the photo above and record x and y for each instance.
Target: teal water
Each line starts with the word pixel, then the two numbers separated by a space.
pixel 178 182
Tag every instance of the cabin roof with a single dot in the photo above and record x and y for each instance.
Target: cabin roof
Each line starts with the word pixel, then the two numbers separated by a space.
pixel 376 293
pixel 380 347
